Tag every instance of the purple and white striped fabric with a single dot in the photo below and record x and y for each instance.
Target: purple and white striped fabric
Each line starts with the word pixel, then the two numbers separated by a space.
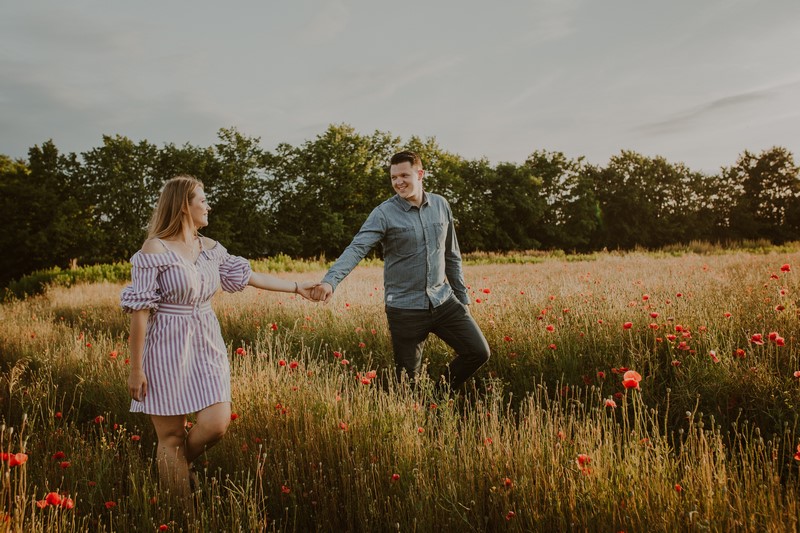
pixel 185 359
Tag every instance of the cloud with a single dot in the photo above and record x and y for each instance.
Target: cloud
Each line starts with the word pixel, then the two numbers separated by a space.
pixel 325 24
pixel 715 109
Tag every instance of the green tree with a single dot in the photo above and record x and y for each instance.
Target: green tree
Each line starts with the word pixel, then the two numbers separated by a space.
pixel 763 192
pixel 326 188
pixel 570 215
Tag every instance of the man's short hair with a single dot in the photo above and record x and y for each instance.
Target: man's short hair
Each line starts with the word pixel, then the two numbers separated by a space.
pixel 406 157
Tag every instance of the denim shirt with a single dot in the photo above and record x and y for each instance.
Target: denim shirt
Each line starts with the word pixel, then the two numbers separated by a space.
pixel 422 262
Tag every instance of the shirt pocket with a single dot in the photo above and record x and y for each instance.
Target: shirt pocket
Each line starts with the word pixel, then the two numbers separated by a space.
pixel 439 233
pixel 401 241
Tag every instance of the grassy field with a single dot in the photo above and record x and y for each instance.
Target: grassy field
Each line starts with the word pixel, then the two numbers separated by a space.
pixel 547 438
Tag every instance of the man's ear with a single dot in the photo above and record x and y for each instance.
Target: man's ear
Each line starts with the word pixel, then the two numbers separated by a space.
pixel 421 173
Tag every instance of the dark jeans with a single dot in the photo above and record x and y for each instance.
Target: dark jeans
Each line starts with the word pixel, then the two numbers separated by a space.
pixel 452 323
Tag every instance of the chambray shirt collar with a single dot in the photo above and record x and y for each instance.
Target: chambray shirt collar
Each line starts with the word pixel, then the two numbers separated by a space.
pixel 406 205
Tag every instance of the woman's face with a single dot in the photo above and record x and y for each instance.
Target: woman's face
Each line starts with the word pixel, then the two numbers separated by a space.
pixel 199 208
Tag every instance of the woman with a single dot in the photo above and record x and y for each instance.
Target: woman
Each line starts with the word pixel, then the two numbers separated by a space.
pixel 179 361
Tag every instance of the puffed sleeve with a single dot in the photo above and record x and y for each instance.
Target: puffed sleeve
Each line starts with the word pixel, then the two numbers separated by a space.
pixel 143 291
pixel 234 271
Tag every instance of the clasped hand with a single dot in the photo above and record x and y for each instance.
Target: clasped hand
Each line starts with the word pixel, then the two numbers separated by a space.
pixel 316 292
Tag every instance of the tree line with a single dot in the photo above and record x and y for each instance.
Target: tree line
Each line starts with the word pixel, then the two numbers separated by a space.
pixel 309 200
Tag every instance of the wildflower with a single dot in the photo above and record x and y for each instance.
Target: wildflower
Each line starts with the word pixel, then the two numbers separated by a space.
pixel 110 505
pixel 240 351
pixel 16 459
pixel 113 354
pixel 713 355
pixel 627 325
pixel 507 339
pixel 59 455
pixel 727 315
pixel 285 489
pixel 773 335
pixel 486 291
pixel 395 477
pixel 362 345
pixel 550 327
pixel 136 438
pixel 740 353
pixel 58 415
pixel 41 504
pixel 487 441
pixel 234 416
pixel 507 482
pixel 610 403
pixel 337 355
pixel 366 381
pixel 786 268
pixel 344 362
pixel 653 315
pixel 678 488
pixel 653 326
pixel 632 374
pixel 343 426
pixel 645 297
pixel 797 374
pixel 552 346
pixel 420 430
pixel 67 503
pixel 779 308
pixel 756 338
pixel 510 515
pixel 797 455
pixel 671 337
pixel 372 374
pixel 601 375
pixel 293 365
pixel 679 295
pixel 64 465
pixel 676 363
pixel 780 341
pixel 53 498
pixel 477 300
pixel 99 419
pixel 163 527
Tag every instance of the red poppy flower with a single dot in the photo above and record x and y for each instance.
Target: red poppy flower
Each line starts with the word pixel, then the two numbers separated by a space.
pixel 477 300
pixel 58 415
pixel 273 326
pixel 550 327
pixel 507 482
pixel 676 363
pixel 610 403
pixel 797 455
pixel 53 498
pixel 362 345
pixel 678 488
pixel 285 489
pixel 653 315
pixel 240 351
pixel 632 374
pixel 67 503
pixel 41 504
pixel 16 459
pixel 282 363
pixel 64 465
pixel 59 455
pixel 645 297
pixel 756 338
pixel 234 416
pixel 293 365
pixel 507 339
pixel 99 419
pixel 486 291
pixel 337 355
pixel 344 362
pixel 343 426
pixel 136 438
pixel 713 356
pixel 786 268
pixel 630 384
pixel 601 375
pixel 111 505
pixel 395 477
pixel 797 374
pixel 420 430
pixel 510 515
pixel 671 337
pixel 627 325
pixel 113 354
pixel 583 460
pixel 372 374
pixel 552 346
pixel 163 527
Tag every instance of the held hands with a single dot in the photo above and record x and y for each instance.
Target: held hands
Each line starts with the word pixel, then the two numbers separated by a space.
pixel 316 292
pixel 322 292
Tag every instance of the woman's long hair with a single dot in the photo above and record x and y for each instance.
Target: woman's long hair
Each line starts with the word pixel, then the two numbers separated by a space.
pixel 171 214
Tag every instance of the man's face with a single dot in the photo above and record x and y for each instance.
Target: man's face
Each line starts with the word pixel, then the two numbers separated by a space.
pixel 407 182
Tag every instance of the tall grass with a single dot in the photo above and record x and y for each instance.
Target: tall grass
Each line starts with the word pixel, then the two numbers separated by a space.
pixel 530 446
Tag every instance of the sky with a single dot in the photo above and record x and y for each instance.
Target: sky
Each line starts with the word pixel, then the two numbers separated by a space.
pixel 695 81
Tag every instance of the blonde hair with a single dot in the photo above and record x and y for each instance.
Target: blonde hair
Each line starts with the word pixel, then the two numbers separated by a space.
pixel 171 214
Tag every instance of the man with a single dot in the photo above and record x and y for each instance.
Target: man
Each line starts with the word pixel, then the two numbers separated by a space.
pixel 423 279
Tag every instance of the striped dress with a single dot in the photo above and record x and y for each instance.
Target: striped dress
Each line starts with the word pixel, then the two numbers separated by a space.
pixel 185 359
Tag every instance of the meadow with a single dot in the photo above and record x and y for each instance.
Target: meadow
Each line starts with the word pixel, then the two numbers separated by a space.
pixel 554 434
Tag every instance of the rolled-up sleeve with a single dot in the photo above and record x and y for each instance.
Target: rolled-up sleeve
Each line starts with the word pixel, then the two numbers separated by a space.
pixel 234 272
